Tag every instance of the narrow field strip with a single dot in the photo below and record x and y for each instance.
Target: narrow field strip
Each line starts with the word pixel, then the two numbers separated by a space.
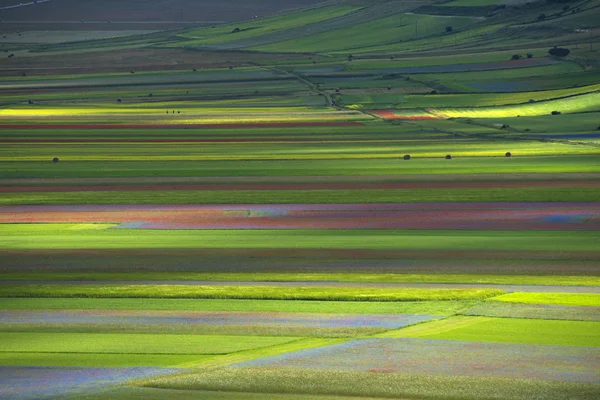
pixel 97 360
pixel 533 311
pixel 505 330
pixel 445 216
pixel 187 318
pixel 340 196
pixel 566 299
pixel 435 308
pixel 243 292
pixel 132 343
pixel 101 236
pixel 510 283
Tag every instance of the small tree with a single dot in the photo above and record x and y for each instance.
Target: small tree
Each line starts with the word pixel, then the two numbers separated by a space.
pixel 448 29
pixel 529 55
pixel 508 154
pixel 235 30
pixel 407 156
pixel 556 112
pixel 541 17
pixel 516 57
pixel 55 160
pixel 448 157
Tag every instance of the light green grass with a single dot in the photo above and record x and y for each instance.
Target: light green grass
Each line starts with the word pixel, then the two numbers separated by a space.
pixel 468 195
pixel 576 104
pixel 54 359
pixel 364 384
pixel 506 330
pixel 131 343
pixel 425 166
pixel 440 308
pixel 245 292
pixel 99 236
pixel 272 149
pixel 566 299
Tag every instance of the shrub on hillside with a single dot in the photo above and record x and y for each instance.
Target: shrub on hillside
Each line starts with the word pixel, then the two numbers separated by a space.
pixel 541 17
pixel 448 157
pixel 529 55
pixel 559 51
pixel 508 154
pixel 407 156
pixel 556 113
pixel 55 160
pixel 516 57
pixel 448 29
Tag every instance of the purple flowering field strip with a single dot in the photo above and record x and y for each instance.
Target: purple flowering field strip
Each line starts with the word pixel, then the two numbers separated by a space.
pixel 447 357
pixel 27 383
pixel 389 321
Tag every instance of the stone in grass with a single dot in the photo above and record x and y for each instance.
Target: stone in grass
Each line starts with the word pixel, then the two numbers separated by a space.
pixel 55 160
pixel 448 157
pixel 407 156
pixel 508 154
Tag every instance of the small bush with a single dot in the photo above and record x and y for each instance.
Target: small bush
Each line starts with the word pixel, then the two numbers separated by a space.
pixel 55 160
pixel 407 156
pixel 119 100
pixel 516 57
pixel 150 95
pixel 556 113
pixel 448 157
pixel 448 29
pixel 194 69
pixel 559 51
pixel 508 154
pixel 541 17
pixel 529 55
pixel 433 92
pixel 235 30
pixel 132 71
pixel 30 101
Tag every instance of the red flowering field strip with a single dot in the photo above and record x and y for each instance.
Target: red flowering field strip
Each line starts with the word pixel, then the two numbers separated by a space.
pixel 319 216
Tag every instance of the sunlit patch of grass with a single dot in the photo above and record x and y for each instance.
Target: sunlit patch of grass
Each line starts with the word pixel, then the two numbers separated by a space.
pixel 566 299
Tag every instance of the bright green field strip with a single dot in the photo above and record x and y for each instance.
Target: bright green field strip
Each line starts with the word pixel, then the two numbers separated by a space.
pixel 245 292
pixel 379 32
pixel 566 299
pixel 223 34
pixel 355 384
pixel 577 104
pixel 283 151
pixel 100 236
pixel 301 306
pixel 506 330
pixel 308 277
pixel 131 343
pixel 256 329
pixel 471 165
pixel 55 359
pixel 305 197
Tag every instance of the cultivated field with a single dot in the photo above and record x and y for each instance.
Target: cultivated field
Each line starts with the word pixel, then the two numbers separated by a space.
pixel 361 199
